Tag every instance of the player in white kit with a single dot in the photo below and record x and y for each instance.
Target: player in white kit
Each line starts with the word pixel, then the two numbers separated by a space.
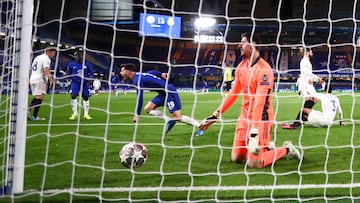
pixel 305 85
pixel 96 85
pixel 40 75
pixel 306 88
pixel 330 105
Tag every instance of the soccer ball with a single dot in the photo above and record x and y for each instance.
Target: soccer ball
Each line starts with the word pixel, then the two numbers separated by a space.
pixel 133 155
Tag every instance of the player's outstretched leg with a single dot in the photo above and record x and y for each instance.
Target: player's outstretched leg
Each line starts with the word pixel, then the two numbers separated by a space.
pixel 200 132
pixel 169 125
pixel 190 121
pixel 158 114
pixel 286 126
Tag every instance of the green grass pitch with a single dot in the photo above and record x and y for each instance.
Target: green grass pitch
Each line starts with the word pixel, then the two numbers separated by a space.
pixel 63 154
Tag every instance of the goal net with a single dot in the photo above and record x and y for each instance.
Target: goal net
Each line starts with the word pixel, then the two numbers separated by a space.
pixel 75 158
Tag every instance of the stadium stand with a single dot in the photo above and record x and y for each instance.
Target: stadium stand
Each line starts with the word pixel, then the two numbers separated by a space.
pixel 182 57
pixel 153 53
pixel 187 56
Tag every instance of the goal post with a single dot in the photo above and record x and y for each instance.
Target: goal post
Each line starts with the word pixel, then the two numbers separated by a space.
pixel 25 53
pixel 20 53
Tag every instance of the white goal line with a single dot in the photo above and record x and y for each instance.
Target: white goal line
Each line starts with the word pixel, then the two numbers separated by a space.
pixel 200 188
pixel 221 122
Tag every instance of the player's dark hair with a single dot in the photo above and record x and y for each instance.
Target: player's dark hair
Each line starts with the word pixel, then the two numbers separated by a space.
pixel 252 38
pixel 50 48
pixel 78 53
pixel 304 50
pixel 78 56
pixel 129 66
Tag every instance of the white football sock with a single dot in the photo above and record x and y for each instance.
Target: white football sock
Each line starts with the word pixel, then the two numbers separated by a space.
pixel 159 114
pixel 86 107
pixel 74 105
pixel 190 121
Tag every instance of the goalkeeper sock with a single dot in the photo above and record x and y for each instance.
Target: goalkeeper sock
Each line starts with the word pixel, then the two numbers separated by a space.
pixel 190 121
pixel 74 105
pixel 159 114
pixel 36 103
pixel 273 155
pixel 86 107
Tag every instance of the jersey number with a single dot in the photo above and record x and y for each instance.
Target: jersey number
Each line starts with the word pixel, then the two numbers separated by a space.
pixel 333 104
pixel 34 67
pixel 170 105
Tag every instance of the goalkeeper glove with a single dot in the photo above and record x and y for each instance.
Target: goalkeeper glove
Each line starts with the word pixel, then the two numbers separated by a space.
pixel 205 124
pixel 253 145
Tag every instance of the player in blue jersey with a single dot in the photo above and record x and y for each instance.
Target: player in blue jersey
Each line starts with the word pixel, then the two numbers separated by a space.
pixel 115 80
pixel 167 94
pixel 124 86
pixel 205 87
pixel 80 72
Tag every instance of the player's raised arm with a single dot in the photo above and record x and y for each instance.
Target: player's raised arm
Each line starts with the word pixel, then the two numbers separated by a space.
pixel 225 105
pixel 208 121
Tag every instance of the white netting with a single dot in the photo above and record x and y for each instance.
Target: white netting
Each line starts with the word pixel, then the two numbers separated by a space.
pixel 77 160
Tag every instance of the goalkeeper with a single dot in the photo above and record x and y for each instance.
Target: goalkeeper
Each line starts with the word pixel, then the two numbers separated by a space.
pixel 255 78
pixel 167 94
